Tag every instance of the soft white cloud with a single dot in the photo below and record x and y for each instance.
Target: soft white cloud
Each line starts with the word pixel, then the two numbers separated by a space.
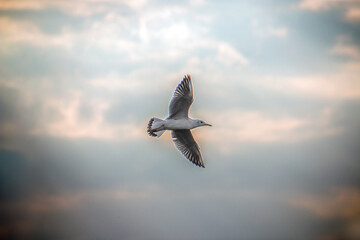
pixel 163 34
pixel 70 124
pixel 261 29
pixel 13 32
pixel 197 3
pixel 114 82
pixel 279 32
pixel 228 55
pixel 232 127
pixel 343 85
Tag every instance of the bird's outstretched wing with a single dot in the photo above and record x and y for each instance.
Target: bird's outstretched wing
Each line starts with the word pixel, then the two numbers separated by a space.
pixel 186 144
pixel 182 99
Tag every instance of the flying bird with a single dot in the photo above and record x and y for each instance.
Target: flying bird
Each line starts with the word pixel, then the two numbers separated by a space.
pixel 179 123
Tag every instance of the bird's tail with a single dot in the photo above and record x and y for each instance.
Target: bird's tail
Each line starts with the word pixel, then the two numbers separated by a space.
pixel 155 127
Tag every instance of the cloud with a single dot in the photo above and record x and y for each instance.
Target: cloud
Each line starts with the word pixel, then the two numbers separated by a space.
pixel 342 204
pixel 353 66
pixel 159 34
pixel 232 127
pixel 316 5
pixel 21 5
pixel 345 47
pixel 68 201
pixel 343 85
pixel 70 114
pixel 55 207
pixel 114 82
pixel 351 7
pixel 346 50
pixel 197 3
pixel 227 55
pixel 16 31
pixel 266 30
pixel 70 124
pixel 77 8
pixel 353 14
pixel 279 32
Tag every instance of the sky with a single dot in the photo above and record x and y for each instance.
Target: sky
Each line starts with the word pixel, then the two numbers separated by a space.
pixel 278 80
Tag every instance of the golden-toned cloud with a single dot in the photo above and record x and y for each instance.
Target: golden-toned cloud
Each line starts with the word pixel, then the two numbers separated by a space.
pixel 76 7
pixel 343 204
pixel 21 5
pixel 45 203
pixel 353 66
pixel 353 14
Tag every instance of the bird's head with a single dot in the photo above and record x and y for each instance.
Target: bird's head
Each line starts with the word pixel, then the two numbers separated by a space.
pixel 199 123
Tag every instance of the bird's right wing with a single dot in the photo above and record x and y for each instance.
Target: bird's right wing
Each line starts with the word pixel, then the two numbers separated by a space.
pixel 182 99
pixel 186 144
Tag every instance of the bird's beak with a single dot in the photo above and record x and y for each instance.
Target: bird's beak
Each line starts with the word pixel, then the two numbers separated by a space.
pixel 206 124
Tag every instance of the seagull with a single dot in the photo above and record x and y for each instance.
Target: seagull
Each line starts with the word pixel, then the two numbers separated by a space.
pixel 179 123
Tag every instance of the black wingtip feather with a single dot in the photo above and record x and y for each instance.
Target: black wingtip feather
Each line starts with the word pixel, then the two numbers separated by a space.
pixel 183 86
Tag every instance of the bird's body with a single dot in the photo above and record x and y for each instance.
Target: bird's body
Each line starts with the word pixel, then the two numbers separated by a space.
pixel 179 123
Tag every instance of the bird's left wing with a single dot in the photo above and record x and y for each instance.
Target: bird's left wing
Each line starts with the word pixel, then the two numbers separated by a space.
pixel 186 144
pixel 182 99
